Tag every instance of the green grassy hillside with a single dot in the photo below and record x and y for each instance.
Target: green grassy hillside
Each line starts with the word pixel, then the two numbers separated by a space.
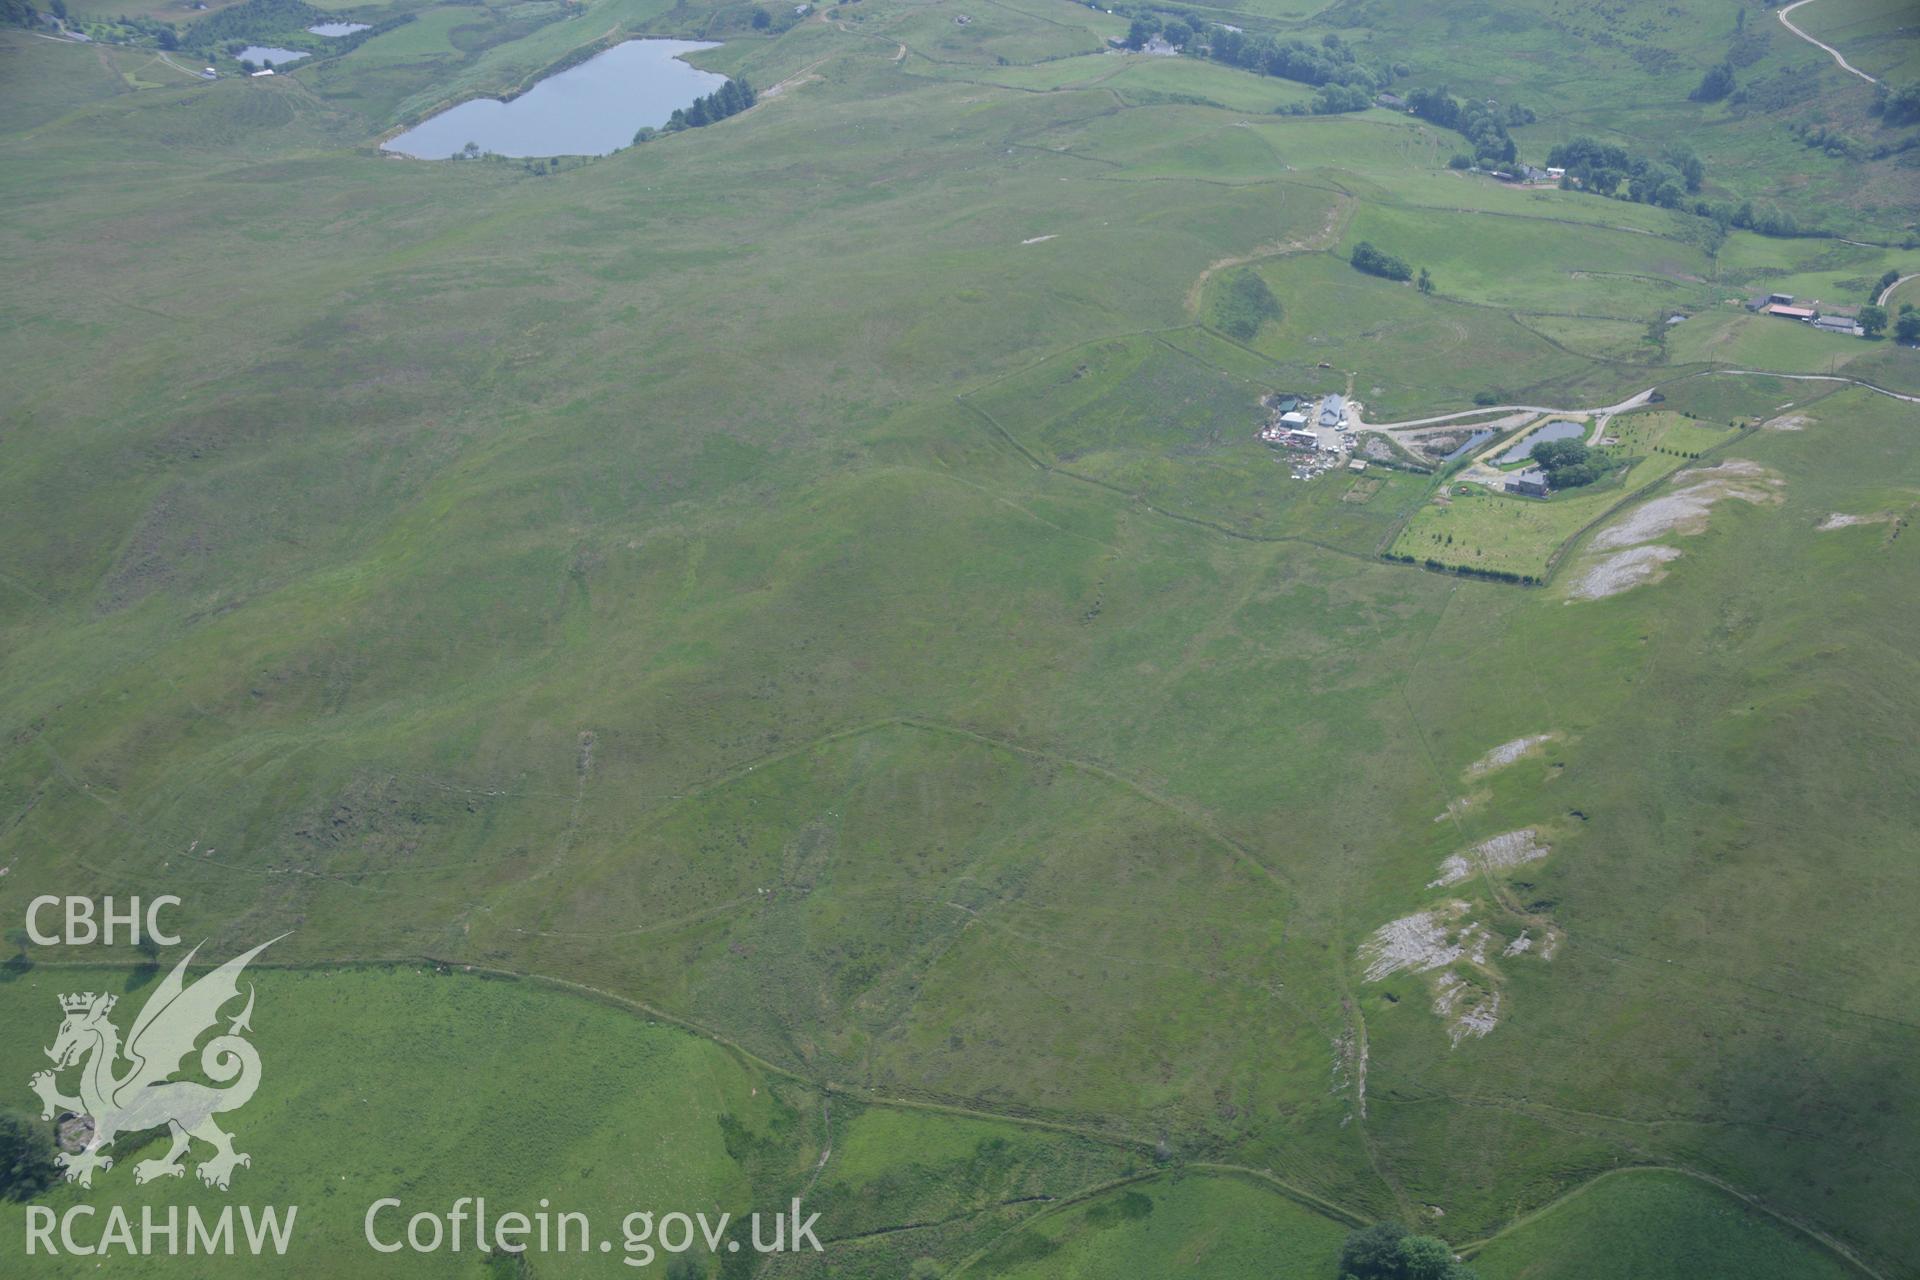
pixel 814 578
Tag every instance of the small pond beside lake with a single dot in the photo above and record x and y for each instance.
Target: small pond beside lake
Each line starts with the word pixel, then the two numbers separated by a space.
pixel 1552 431
pixel 1473 441
pixel 593 109
pixel 260 55
pixel 338 28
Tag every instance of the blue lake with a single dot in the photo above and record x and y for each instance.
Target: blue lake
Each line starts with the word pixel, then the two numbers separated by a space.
pixel 593 109
pixel 261 54
pixel 1552 431
pixel 337 28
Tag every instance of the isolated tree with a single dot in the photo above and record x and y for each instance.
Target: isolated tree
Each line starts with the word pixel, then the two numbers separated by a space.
pixel 1906 327
pixel 762 19
pixel 1426 281
pixel 1888 279
pixel 26 1157
pixel 1900 105
pixel 1176 34
pixel 1873 320
pixel 1143 29
pixel 1384 1251
pixel 1373 1251
pixel 1426 1258
pixel 167 39
pixel 1715 85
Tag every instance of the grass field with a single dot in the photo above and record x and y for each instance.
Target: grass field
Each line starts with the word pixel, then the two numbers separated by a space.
pixel 1485 531
pixel 454 1086
pixel 1148 416
pixel 1654 1226
pixel 1194 1226
pixel 815 576
pixel 1741 340
pixel 1413 353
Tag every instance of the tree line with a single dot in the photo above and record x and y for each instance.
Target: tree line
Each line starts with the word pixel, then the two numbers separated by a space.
pixel 1482 123
pixel 1332 61
pixel 254 19
pixel 1377 263
pixel 729 99
pixel 1603 168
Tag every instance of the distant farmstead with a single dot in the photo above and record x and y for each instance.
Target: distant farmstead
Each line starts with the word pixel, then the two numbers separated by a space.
pixel 1835 319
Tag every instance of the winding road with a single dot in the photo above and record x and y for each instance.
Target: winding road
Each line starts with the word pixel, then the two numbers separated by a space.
pixel 1819 377
pixel 1631 402
pixel 1846 66
pixel 1492 410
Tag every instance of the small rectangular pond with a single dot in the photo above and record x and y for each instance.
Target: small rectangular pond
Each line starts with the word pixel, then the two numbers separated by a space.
pixel 338 28
pixel 261 54
pixel 593 109
pixel 1552 431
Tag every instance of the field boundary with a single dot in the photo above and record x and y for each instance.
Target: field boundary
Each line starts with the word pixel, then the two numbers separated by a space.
pixel 1329 1209
pixel 1473 1247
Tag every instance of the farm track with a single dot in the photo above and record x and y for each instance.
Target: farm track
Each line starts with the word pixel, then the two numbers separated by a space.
pixel 1845 66
pixel 1818 377
pixel 1324 238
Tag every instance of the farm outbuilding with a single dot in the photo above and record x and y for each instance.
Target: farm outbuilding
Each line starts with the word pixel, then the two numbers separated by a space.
pixel 1529 484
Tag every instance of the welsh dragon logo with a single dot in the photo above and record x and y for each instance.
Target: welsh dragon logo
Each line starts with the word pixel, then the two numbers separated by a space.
pixel 142 1094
